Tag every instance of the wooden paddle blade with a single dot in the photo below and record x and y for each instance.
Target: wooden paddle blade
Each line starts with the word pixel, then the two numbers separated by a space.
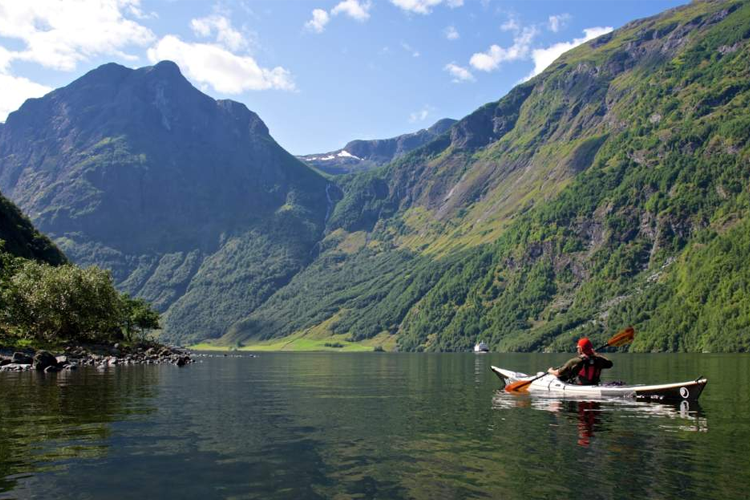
pixel 519 386
pixel 624 337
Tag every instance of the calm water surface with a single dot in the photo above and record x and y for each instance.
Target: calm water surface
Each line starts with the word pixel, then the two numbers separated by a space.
pixel 336 425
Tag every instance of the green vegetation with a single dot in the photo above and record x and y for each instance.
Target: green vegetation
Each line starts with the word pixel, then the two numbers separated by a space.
pixel 138 317
pixel 612 189
pixel 22 239
pixel 44 300
pixel 49 305
pixel 199 213
pixel 576 218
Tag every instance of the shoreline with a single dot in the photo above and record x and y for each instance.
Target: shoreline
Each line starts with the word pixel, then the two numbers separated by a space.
pixel 99 356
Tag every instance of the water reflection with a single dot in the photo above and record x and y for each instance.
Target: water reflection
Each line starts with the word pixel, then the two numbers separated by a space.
pixel 367 426
pixel 591 416
pixel 47 420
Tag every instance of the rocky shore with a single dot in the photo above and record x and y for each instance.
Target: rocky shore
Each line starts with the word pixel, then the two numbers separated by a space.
pixel 97 356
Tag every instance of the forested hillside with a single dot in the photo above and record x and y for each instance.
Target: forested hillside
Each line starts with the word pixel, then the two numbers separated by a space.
pixel 21 239
pixel 611 189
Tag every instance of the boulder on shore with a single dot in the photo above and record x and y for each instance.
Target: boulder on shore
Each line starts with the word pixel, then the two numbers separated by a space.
pixel 20 358
pixel 43 359
pixel 99 356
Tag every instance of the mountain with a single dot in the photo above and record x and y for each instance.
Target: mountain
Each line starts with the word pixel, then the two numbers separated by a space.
pixel 19 238
pixel 188 200
pixel 612 189
pixel 362 155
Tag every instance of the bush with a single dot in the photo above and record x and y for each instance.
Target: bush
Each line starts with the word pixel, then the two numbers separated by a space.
pixel 44 303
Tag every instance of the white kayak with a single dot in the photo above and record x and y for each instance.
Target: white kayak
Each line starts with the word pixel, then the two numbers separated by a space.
pixel 553 386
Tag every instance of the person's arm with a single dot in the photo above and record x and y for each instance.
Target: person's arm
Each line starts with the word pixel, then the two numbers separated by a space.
pixel 604 362
pixel 566 368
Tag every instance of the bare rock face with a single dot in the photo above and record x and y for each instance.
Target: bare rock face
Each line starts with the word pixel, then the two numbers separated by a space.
pixel 490 122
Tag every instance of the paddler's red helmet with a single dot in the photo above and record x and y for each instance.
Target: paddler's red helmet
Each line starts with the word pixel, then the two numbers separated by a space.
pixel 586 347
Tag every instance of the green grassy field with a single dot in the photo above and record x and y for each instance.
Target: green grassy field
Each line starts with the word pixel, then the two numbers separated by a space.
pixel 302 342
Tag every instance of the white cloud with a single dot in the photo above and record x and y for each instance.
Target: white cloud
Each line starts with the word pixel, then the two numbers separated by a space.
pixel 424 6
pixel 558 22
pixel 228 73
pixel 408 48
pixel 511 24
pixel 5 58
pixel 421 115
pixel 318 22
pixel 495 55
pixel 451 33
pixel 60 34
pixel 136 11
pixel 15 91
pixel 222 27
pixel 353 9
pixel 356 9
pixel 544 57
pixel 459 73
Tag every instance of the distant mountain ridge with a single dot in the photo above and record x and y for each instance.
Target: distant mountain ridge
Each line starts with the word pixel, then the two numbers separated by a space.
pixel 361 155
pixel 178 194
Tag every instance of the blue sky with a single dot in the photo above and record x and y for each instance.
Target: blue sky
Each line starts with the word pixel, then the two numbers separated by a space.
pixel 318 72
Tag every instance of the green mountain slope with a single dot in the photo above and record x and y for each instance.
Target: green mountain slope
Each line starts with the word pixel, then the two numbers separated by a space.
pixel 189 201
pixel 20 239
pixel 611 189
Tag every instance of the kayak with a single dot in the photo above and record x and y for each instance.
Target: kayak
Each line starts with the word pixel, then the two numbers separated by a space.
pixel 552 386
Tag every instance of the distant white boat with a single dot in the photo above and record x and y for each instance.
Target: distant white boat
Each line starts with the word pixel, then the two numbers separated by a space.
pixel 481 348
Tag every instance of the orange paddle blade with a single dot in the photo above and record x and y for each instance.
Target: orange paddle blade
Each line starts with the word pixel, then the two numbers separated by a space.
pixel 624 337
pixel 519 386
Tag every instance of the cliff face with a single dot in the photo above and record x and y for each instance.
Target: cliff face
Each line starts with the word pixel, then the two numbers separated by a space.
pixel 138 171
pixel 592 196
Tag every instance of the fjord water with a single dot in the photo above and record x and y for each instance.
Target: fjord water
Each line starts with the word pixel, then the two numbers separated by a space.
pixel 336 425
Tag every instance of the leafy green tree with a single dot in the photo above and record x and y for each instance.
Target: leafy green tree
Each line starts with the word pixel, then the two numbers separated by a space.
pixel 47 303
pixel 138 317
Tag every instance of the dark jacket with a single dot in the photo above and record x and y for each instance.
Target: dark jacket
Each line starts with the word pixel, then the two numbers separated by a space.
pixel 584 370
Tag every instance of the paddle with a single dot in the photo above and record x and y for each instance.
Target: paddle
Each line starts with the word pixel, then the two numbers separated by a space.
pixel 623 337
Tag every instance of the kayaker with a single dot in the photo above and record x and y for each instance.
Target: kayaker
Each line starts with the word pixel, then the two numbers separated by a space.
pixel 584 369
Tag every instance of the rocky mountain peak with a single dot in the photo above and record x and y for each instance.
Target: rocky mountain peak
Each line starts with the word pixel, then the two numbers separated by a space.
pixel 364 154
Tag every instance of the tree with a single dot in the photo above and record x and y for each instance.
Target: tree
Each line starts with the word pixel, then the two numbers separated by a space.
pixel 49 303
pixel 138 317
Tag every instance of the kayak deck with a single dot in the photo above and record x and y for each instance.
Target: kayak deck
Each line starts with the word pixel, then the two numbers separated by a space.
pixel 551 385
